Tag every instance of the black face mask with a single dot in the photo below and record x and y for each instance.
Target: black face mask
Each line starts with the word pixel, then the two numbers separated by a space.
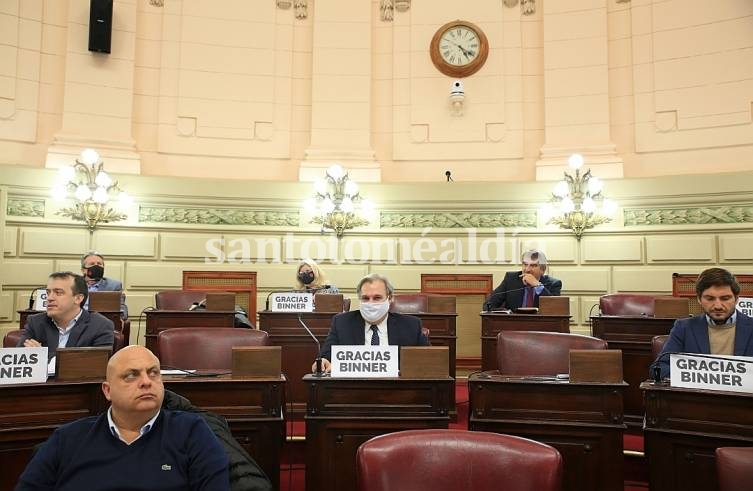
pixel 95 272
pixel 306 277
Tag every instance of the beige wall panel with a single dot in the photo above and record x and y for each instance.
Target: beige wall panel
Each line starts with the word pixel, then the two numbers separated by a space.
pixel 113 269
pixel 326 248
pixel 126 244
pixel 369 250
pixel 558 249
pixel 736 247
pixel 185 246
pixel 403 278
pixel 589 305
pixel 648 279
pixel 10 241
pixel 681 248
pixel 25 273
pixel 167 276
pixel 468 325
pixel 53 242
pixel 6 306
pixel 582 279
pixel 439 250
pixel 612 249
pixel 499 250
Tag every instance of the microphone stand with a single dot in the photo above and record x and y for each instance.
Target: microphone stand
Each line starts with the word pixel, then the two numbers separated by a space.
pixel 318 360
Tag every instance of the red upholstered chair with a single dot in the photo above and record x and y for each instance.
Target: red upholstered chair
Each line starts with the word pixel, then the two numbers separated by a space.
pixel 205 347
pixel 540 353
pixel 409 303
pixel 177 299
pixel 118 341
pixel 626 304
pixel 657 344
pixel 346 304
pixel 734 468
pixel 453 460
pixel 10 340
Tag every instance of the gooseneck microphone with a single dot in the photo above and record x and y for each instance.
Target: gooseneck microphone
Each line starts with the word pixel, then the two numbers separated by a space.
pixel 318 360
pixel 488 303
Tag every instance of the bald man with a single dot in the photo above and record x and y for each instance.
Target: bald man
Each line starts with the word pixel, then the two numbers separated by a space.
pixel 162 449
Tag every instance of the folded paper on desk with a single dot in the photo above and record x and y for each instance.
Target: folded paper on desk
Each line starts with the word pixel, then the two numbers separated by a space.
pixel 711 372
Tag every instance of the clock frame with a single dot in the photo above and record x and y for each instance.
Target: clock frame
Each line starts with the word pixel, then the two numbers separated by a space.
pixel 459 71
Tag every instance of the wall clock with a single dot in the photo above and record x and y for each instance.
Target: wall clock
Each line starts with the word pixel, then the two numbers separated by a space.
pixel 459 49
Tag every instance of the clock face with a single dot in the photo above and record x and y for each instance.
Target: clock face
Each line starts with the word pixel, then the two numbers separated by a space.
pixel 459 49
pixel 459 45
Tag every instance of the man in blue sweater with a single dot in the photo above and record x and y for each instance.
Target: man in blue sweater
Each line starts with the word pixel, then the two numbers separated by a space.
pixel 135 445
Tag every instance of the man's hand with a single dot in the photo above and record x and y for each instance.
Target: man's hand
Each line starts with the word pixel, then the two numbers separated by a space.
pixel 32 343
pixel 326 366
pixel 529 279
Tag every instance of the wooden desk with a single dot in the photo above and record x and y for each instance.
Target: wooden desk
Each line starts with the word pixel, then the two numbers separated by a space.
pixel 299 350
pixel 632 335
pixel 344 413
pixel 582 421
pixel 492 323
pixel 684 427
pixel 30 413
pixel 159 320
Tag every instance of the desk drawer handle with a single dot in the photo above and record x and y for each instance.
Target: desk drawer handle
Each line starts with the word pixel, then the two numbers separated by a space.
pixel 587 448
pixel 339 439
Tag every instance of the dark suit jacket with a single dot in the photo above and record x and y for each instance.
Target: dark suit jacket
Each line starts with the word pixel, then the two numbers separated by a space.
pixel 692 336
pixel 92 329
pixel 110 285
pixel 348 329
pixel 509 293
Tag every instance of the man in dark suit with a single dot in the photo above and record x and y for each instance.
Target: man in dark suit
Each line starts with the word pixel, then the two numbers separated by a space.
pixel 373 323
pixel 720 330
pixel 66 324
pixel 93 269
pixel 523 288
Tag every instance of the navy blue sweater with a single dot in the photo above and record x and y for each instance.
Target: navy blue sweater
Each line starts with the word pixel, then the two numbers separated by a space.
pixel 180 452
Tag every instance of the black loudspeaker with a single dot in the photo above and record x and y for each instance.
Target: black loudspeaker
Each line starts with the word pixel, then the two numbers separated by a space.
pixel 100 25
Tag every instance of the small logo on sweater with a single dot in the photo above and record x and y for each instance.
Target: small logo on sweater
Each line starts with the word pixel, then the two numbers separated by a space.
pixel 166 467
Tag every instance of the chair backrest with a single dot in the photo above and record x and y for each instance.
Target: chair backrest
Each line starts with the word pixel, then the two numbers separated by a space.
pixel 626 304
pixel 205 347
pixel 346 304
pixel 11 338
pixel 734 468
pixel 657 344
pixel 409 303
pixel 540 353
pixel 438 460
pixel 177 299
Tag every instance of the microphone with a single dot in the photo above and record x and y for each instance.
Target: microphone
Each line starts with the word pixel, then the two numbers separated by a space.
pixel 318 359
pixel 448 174
pixel 488 303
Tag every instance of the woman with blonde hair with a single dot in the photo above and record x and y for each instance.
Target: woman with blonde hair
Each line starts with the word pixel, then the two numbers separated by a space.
pixel 310 277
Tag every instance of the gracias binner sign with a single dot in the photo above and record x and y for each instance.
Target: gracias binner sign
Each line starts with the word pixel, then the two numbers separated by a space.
pixel 711 372
pixel 23 365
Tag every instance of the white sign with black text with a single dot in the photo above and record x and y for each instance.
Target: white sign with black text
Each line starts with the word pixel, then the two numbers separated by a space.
pixel 711 372
pixel 291 302
pixel 745 305
pixel 365 361
pixel 23 365
pixel 40 300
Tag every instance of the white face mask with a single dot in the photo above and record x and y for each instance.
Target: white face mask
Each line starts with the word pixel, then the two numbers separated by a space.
pixel 372 312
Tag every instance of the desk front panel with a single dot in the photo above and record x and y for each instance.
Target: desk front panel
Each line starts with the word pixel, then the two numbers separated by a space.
pixel 684 427
pixel 298 350
pixel 582 421
pixel 344 413
pixel 159 320
pixel 633 336
pixel 492 323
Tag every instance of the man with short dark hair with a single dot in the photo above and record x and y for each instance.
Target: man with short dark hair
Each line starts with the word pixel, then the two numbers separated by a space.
pixel 93 269
pixel 720 330
pixel 373 323
pixel 135 444
pixel 523 288
pixel 65 323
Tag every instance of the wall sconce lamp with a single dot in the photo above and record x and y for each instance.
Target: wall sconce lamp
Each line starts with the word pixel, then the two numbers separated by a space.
pixel 337 205
pixel 574 203
pixel 93 190
pixel 457 97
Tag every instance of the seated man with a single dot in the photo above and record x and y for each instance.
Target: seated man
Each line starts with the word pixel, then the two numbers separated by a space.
pixel 93 269
pixel 523 288
pixel 135 444
pixel 720 330
pixel 66 324
pixel 373 323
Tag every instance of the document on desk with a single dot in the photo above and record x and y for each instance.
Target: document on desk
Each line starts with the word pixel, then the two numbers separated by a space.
pixel 176 372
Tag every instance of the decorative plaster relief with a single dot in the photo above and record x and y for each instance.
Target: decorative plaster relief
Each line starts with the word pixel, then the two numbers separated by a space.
pixel 419 133
pixel 284 4
pixel 666 121
pixel 217 216
pixel 528 7
pixel 495 132
pixel 301 9
pixel 386 10
pixel 689 216
pixel 23 207
pixel 186 126
pixel 526 218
